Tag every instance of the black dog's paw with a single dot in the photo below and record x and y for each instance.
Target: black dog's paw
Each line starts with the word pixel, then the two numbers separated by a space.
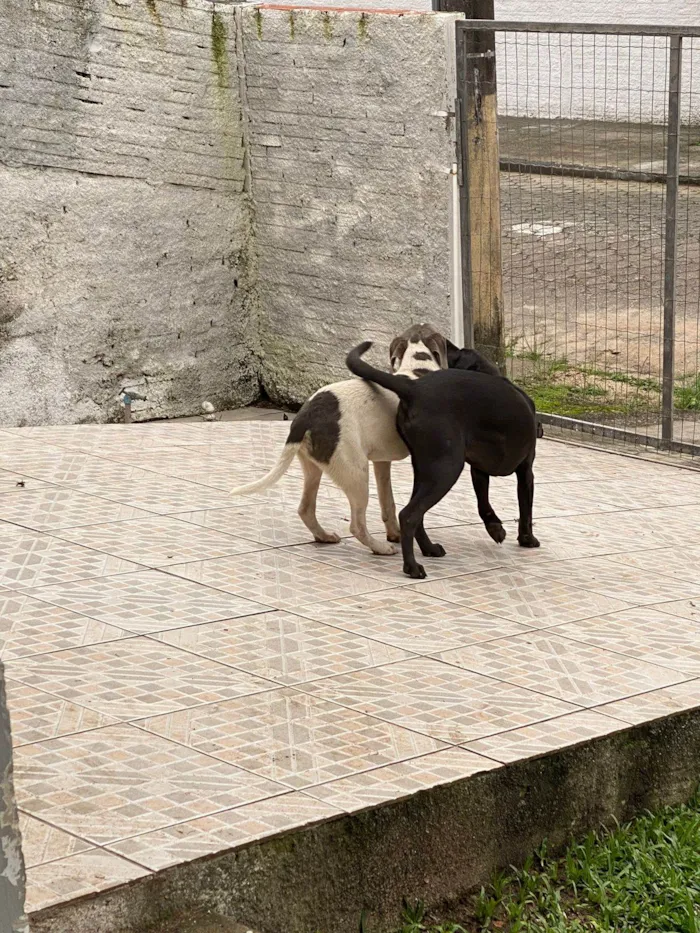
pixel 436 550
pixel 497 532
pixel 415 571
pixel 528 541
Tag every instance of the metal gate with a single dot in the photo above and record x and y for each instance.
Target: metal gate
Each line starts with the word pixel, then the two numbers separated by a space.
pixel 580 211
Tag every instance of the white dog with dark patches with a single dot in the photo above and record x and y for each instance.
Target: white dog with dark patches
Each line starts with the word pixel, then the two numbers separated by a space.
pixel 345 425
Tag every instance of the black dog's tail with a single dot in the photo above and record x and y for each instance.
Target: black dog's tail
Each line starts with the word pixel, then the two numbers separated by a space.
pixel 402 385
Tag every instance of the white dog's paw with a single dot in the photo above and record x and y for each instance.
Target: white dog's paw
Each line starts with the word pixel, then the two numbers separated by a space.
pixel 328 537
pixel 385 550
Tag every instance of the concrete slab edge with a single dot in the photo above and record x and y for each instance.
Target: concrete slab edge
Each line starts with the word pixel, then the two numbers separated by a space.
pixel 436 845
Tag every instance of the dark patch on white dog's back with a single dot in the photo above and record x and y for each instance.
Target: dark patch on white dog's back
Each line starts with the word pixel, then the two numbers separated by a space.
pixel 320 418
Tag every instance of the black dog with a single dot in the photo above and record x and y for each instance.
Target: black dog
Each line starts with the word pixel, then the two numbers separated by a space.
pixel 447 418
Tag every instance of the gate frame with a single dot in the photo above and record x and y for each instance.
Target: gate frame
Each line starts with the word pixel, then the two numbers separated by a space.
pixel 470 157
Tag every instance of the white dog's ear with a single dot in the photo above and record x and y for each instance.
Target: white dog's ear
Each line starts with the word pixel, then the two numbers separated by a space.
pixel 437 345
pixel 396 351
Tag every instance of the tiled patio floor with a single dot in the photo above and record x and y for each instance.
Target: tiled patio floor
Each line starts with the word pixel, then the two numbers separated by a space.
pixel 187 673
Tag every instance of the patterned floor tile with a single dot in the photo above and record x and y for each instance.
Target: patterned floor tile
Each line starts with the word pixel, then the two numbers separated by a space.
pixel 70 469
pixel 656 704
pixel 146 602
pixel 53 508
pixel 221 831
pixel 277 578
pixel 643 633
pixel 29 626
pixel 438 700
pixel 605 576
pixel 119 781
pixel 291 737
pixel 158 542
pixel 271 524
pixel 30 559
pixel 85 873
pixel 393 782
pixel 621 494
pixel 679 562
pixel 133 678
pixel 17 482
pixel 647 528
pixel 521 597
pixel 283 647
pixel 564 539
pixel 544 737
pixel 161 494
pixel 683 608
pixel 468 550
pixel 37 715
pixel 562 668
pixel 43 843
pixel 412 621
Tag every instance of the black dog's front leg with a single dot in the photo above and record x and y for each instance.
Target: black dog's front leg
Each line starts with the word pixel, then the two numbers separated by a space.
pixel 492 522
pixel 526 494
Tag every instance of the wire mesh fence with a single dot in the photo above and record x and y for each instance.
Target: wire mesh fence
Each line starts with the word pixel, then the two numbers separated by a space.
pixel 596 259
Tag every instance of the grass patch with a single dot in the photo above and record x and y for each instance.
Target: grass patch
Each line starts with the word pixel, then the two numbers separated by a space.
pixel 643 877
pixel 687 397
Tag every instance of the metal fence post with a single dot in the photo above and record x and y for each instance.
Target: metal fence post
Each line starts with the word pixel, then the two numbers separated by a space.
pixel 672 183
pixel 12 883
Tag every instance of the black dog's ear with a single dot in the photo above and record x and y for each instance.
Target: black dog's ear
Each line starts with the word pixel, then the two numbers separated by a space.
pixel 437 345
pixel 397 351
pixel 453 353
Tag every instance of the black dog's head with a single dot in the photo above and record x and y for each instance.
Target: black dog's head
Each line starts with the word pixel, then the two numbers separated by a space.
pixel 470 359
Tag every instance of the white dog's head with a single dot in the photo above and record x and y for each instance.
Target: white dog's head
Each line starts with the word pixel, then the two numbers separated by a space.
pixel 418 350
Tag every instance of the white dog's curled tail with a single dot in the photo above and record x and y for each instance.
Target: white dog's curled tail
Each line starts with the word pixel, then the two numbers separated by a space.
pixel 275 474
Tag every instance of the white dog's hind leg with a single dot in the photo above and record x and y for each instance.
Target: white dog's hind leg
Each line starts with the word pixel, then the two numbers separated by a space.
pixel 382 474
pixel 352 476
pixel 307 506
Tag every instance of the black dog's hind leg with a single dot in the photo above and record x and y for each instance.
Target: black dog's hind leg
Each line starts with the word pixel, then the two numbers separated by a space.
pixel 526 492
pixel 433 480
pixel 427 547
pixel 492 522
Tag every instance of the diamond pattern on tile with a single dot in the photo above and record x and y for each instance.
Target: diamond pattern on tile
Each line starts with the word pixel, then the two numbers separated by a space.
pixel 291 737
pixel 648 528
pixel 282 647
pixel 276 577
pixel 52 508
pixel 29 626
pixel 644 634
pixel 414 622
pixel 521 597
pixel 43 843
pixel 146 602
pixel 543 737
pixel 622 495
pixel 609 578
pixel 161 494
pixel 393 782
pixel 656 704
pixel 438 700
pixel 30 559
pixel 18 482
pixel 37 715
pixel 70 469
pixel 467 551
pixel 684 609
pixel 118 781
pixel 679 562
pixel 133 678
pixel 562 668
pixel 85 873
pixel 221 831
pixel 158 542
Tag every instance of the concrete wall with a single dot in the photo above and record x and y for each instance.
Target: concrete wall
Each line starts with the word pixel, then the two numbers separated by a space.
pixel 12 877
pixel 124 242
pixel 350 162
pixel 183 186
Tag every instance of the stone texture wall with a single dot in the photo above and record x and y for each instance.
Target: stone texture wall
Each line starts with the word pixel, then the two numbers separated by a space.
pixel 197 200
pixel 350 162
pixel 124 244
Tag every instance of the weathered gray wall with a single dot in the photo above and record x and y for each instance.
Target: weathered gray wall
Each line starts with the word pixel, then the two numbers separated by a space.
pixel 12 878
pixel 349 161
pixel 197 199
pixel 125 230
